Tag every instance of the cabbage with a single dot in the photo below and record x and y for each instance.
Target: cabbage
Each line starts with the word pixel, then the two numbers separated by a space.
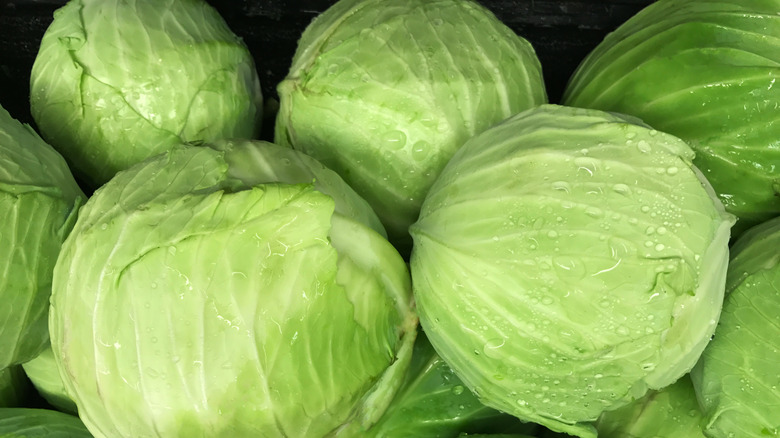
pixel 433 403
pixel 705 71
pixel 568 260
pixel 38 203
pixel 116 82
pixel 189 302
pixel 45 376
pixel 384 92
pixel 671 412
pixel 14 387
pixel 43 423
pixel 736 379
pixel 255 162
pixel 493 435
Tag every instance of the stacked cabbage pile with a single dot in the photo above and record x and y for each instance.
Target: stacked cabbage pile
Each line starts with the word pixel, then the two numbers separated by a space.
pixel 428 249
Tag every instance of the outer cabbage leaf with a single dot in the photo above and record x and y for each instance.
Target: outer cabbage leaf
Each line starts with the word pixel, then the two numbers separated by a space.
pixel 14 387
pixel 736 379
pixel 434 403
pixel 566 261
pixel 187 303
pixel 257 162
pixel 43 423
pixel 116 82
pixel 490 435
pixel 384 92
pixel 705 71
pixel 670 412
pixel 38 203
pixel 45 376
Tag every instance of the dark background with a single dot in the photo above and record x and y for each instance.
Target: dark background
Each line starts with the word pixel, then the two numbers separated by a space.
pixel 562 32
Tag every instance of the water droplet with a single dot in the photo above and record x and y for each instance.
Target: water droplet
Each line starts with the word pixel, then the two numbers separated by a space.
pixel 394 139
pixel 421 150
pixel 623 330
pixel 643 146
pixel 567 267
pixel 660 247
pixel 172 250
pixel 437 21
pixel 622 189
pixel 103 226
pixel 586 165
pixel 457 390
pixel 672 170
pixel 492 347
pixel 561 186
pixel 333 69
pixel 645 209
pixel 594 212
pixel 630 135
pixel 286 162
pixel 552 234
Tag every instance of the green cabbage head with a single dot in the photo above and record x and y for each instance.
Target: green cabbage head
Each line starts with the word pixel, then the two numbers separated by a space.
pixel 568 260
pixel 705 71
pixel 385 91
pixel 737 377
pixel 39 200
pixel 197 299
pixel 118 81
